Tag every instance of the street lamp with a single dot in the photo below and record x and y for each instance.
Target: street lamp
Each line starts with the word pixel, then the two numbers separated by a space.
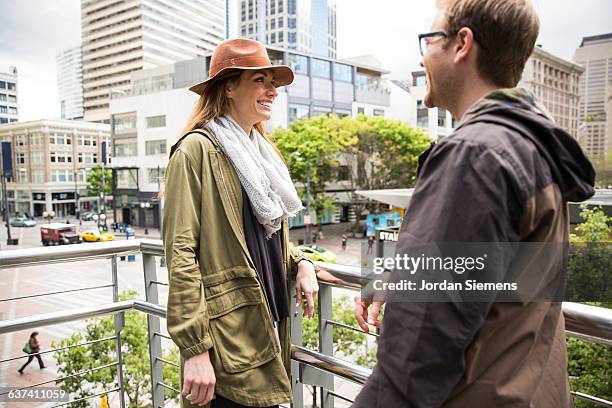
pixel 49 216
pixel 145 206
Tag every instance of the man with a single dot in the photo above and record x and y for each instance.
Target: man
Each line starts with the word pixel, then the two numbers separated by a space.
pixel 504 176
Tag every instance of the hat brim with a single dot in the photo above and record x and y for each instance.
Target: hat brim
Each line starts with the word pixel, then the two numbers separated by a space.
pixel 283 76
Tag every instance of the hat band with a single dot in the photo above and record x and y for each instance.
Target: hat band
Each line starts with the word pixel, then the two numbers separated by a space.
pixel 240 62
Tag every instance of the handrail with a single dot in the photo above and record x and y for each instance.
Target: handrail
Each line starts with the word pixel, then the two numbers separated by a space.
pixel 338 367
pixel 581 320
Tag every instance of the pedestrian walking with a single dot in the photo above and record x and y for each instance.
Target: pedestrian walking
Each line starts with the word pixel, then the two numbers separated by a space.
pixel 228 302
pixel 503 177
pixel 344 242
pixel 32 347
pixel 370 243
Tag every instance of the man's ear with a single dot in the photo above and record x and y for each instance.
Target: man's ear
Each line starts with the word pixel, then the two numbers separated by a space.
pixel 464 42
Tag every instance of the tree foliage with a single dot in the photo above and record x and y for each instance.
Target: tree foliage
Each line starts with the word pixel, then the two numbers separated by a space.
pixel 377 152
pixel 135 353
pixel 94 181
pixel 590 363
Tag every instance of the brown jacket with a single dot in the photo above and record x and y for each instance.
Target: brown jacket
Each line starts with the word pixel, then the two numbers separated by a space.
pixel 504 176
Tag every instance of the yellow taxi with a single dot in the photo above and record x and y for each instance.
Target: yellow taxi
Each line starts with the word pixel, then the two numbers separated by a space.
pixel 93 235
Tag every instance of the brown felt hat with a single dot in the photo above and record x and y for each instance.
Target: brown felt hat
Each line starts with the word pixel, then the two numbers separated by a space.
pixel 242 53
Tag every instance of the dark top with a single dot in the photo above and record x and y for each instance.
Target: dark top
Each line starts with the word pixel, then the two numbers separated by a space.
pixel 267 254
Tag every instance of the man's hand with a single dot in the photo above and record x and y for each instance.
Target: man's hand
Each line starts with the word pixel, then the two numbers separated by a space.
pixel 362 315
pixel 198 379
pixel 306 285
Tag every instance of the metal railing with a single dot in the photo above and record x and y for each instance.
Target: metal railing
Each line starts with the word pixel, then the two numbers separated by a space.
pixel 309 367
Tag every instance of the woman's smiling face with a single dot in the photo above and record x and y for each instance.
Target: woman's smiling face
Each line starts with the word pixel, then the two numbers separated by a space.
pixel 251 96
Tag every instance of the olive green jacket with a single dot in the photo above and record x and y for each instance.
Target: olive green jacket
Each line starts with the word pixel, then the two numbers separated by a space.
pixel 215 300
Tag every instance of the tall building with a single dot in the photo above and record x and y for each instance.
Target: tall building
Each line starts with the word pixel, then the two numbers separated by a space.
pixel 70 83
pixel 51 161
pixel 124 36
pixel 147 120
pixel 554 82
pixel 307 26
pixel 595 55
pixel 231 20
pixel 9 111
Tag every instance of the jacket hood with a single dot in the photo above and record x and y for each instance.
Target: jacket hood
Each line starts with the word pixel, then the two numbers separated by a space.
pixel 517 109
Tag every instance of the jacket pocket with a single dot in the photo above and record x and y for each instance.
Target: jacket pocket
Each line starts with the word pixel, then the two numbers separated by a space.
pixel 241 328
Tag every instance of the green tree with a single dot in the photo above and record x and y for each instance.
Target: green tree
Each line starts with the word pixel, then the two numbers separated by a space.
pixel 94 181
pixel 590 363
pixel 313 145
pixel 135 352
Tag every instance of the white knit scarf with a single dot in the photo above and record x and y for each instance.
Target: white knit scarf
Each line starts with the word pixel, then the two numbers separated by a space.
pixel 262 173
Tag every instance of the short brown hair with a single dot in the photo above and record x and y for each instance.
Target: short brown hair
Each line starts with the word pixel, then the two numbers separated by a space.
pixel 506 31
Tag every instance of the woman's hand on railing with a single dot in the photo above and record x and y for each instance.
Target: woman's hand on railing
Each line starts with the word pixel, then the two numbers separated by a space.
pixel 199 379
pixel 306 285
pixel 365 318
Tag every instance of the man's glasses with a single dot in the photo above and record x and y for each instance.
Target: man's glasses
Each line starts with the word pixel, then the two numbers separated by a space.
pixel 425 39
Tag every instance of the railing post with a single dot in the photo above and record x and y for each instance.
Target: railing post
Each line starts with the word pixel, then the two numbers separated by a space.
pixel 119 325
pixel 297 388
pixel 326 341
pixel 153 323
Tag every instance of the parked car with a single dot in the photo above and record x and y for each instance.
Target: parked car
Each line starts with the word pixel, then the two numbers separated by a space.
pixel 316 253
pixel 87 216
pixel 93 235
pixel 59 234
pixel 22 222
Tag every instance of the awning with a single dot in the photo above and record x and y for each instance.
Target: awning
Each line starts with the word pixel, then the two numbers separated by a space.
pixel 399 197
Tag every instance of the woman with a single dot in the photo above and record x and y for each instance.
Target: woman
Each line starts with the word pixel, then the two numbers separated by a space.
pixel 228 195
pixel 34 347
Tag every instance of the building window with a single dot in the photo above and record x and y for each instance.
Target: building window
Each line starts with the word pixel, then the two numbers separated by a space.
pixel 292 38
pixel 291 6
pixel 36 158
pixel 273 23
pixel 127 178
pixel 20 158
pixel 280 37
pixel 124 122
pixel 2 85
pixel 155 147
pixel 273 38
pixel 361 110
pixel 125 147
pixel 2 97
pixel 12 98
pixel 298 112
pixel 156 121
pixel 441 117
pixel 154 176
pixel 378 112
pixel 21 140
pixel 291 23
pixel 320 68
pixel 280 19
pixel 11 86
pixel 38 177
pixel 420 104
pixel 423 122
pixel 36 139
pixel 298 63
pixel 22 175
pixel 3 109
pixel 343 72
pixel 61 176
pixel 343 173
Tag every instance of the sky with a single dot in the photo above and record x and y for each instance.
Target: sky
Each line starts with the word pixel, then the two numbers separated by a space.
pixel 33 32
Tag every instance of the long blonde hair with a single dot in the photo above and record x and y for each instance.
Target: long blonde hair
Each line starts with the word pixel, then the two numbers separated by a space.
pixel 214 103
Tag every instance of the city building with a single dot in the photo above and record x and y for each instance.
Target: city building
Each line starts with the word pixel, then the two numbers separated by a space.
pixel 554 82
pixel 231 20
pixel 147 120
pixel 595 55
pixel 70 83
pixel 51 161
pixel 307 26
pixel 121 37
pixel 437 123
pixel 9 110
